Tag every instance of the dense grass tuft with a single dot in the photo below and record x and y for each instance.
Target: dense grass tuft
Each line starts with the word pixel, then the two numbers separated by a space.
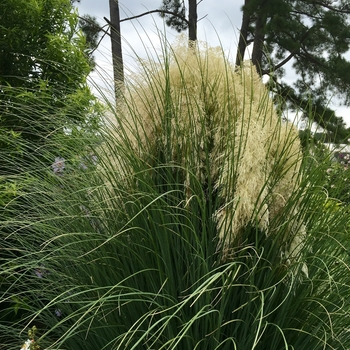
pixel 203 225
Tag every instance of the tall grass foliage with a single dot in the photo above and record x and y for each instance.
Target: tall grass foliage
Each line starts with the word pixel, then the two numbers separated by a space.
pixel 202 226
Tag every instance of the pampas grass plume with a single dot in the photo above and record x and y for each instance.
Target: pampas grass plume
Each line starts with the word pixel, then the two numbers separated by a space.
pixel 199 108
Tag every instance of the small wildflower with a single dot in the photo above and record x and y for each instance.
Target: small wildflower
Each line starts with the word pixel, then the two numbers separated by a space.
pixel 58 312
pixel 41 272
pixel 90 159
pixel 58 165
pixel 82 166
pixel 84 209
pixel 27 344
pixel 94 159
pixel 68 300
pixel 31 344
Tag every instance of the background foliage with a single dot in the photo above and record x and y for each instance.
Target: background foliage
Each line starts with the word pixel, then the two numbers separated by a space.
pixel 43 72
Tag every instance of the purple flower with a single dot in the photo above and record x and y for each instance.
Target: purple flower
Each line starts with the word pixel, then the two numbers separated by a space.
pixel 41 272
pixel 94 159
pixel 58 165
pixel 58 312
pixel 90 159
pixel 83 166
pixel 84 209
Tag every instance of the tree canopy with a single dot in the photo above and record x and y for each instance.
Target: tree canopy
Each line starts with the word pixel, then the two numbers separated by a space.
pixel 174 12
pixel 39 40
pixel 314 35
pixel 43 72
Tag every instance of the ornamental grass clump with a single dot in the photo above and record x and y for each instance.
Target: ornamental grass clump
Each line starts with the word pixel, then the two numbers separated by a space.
pixel 196 112
pixel 193 221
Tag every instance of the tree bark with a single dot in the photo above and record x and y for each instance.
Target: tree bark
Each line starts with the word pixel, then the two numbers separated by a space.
pixel 259 37
pixel 243 37
pixel 192 20
pixel 116 44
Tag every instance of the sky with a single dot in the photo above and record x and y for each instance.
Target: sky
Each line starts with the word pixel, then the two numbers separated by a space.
pixel 218 27
pixel 219 24
pixel 223 21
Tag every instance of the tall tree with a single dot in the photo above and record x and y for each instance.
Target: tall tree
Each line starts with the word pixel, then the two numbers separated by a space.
pixel 174 11
pixel 312 34
pixel 117 55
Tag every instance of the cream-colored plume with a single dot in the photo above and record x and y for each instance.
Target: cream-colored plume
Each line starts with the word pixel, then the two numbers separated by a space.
pixel 197 103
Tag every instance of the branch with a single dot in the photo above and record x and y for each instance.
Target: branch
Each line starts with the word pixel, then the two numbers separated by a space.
pixel 202 17
pixel 292 54
pixel 345 9
pixel 99 42
pixel 108 22
pixel 154 11
pixel 282 63
pixel 93 23
pixel 312 58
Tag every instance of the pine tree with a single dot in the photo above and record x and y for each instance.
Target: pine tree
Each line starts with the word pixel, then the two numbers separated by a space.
pixel 314 36
pixel 91 30
pixel 174 12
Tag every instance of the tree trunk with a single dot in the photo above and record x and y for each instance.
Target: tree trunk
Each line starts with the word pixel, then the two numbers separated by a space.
pixel 259 36
pixel 243 37
pixel 192 20
pixel 118 69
